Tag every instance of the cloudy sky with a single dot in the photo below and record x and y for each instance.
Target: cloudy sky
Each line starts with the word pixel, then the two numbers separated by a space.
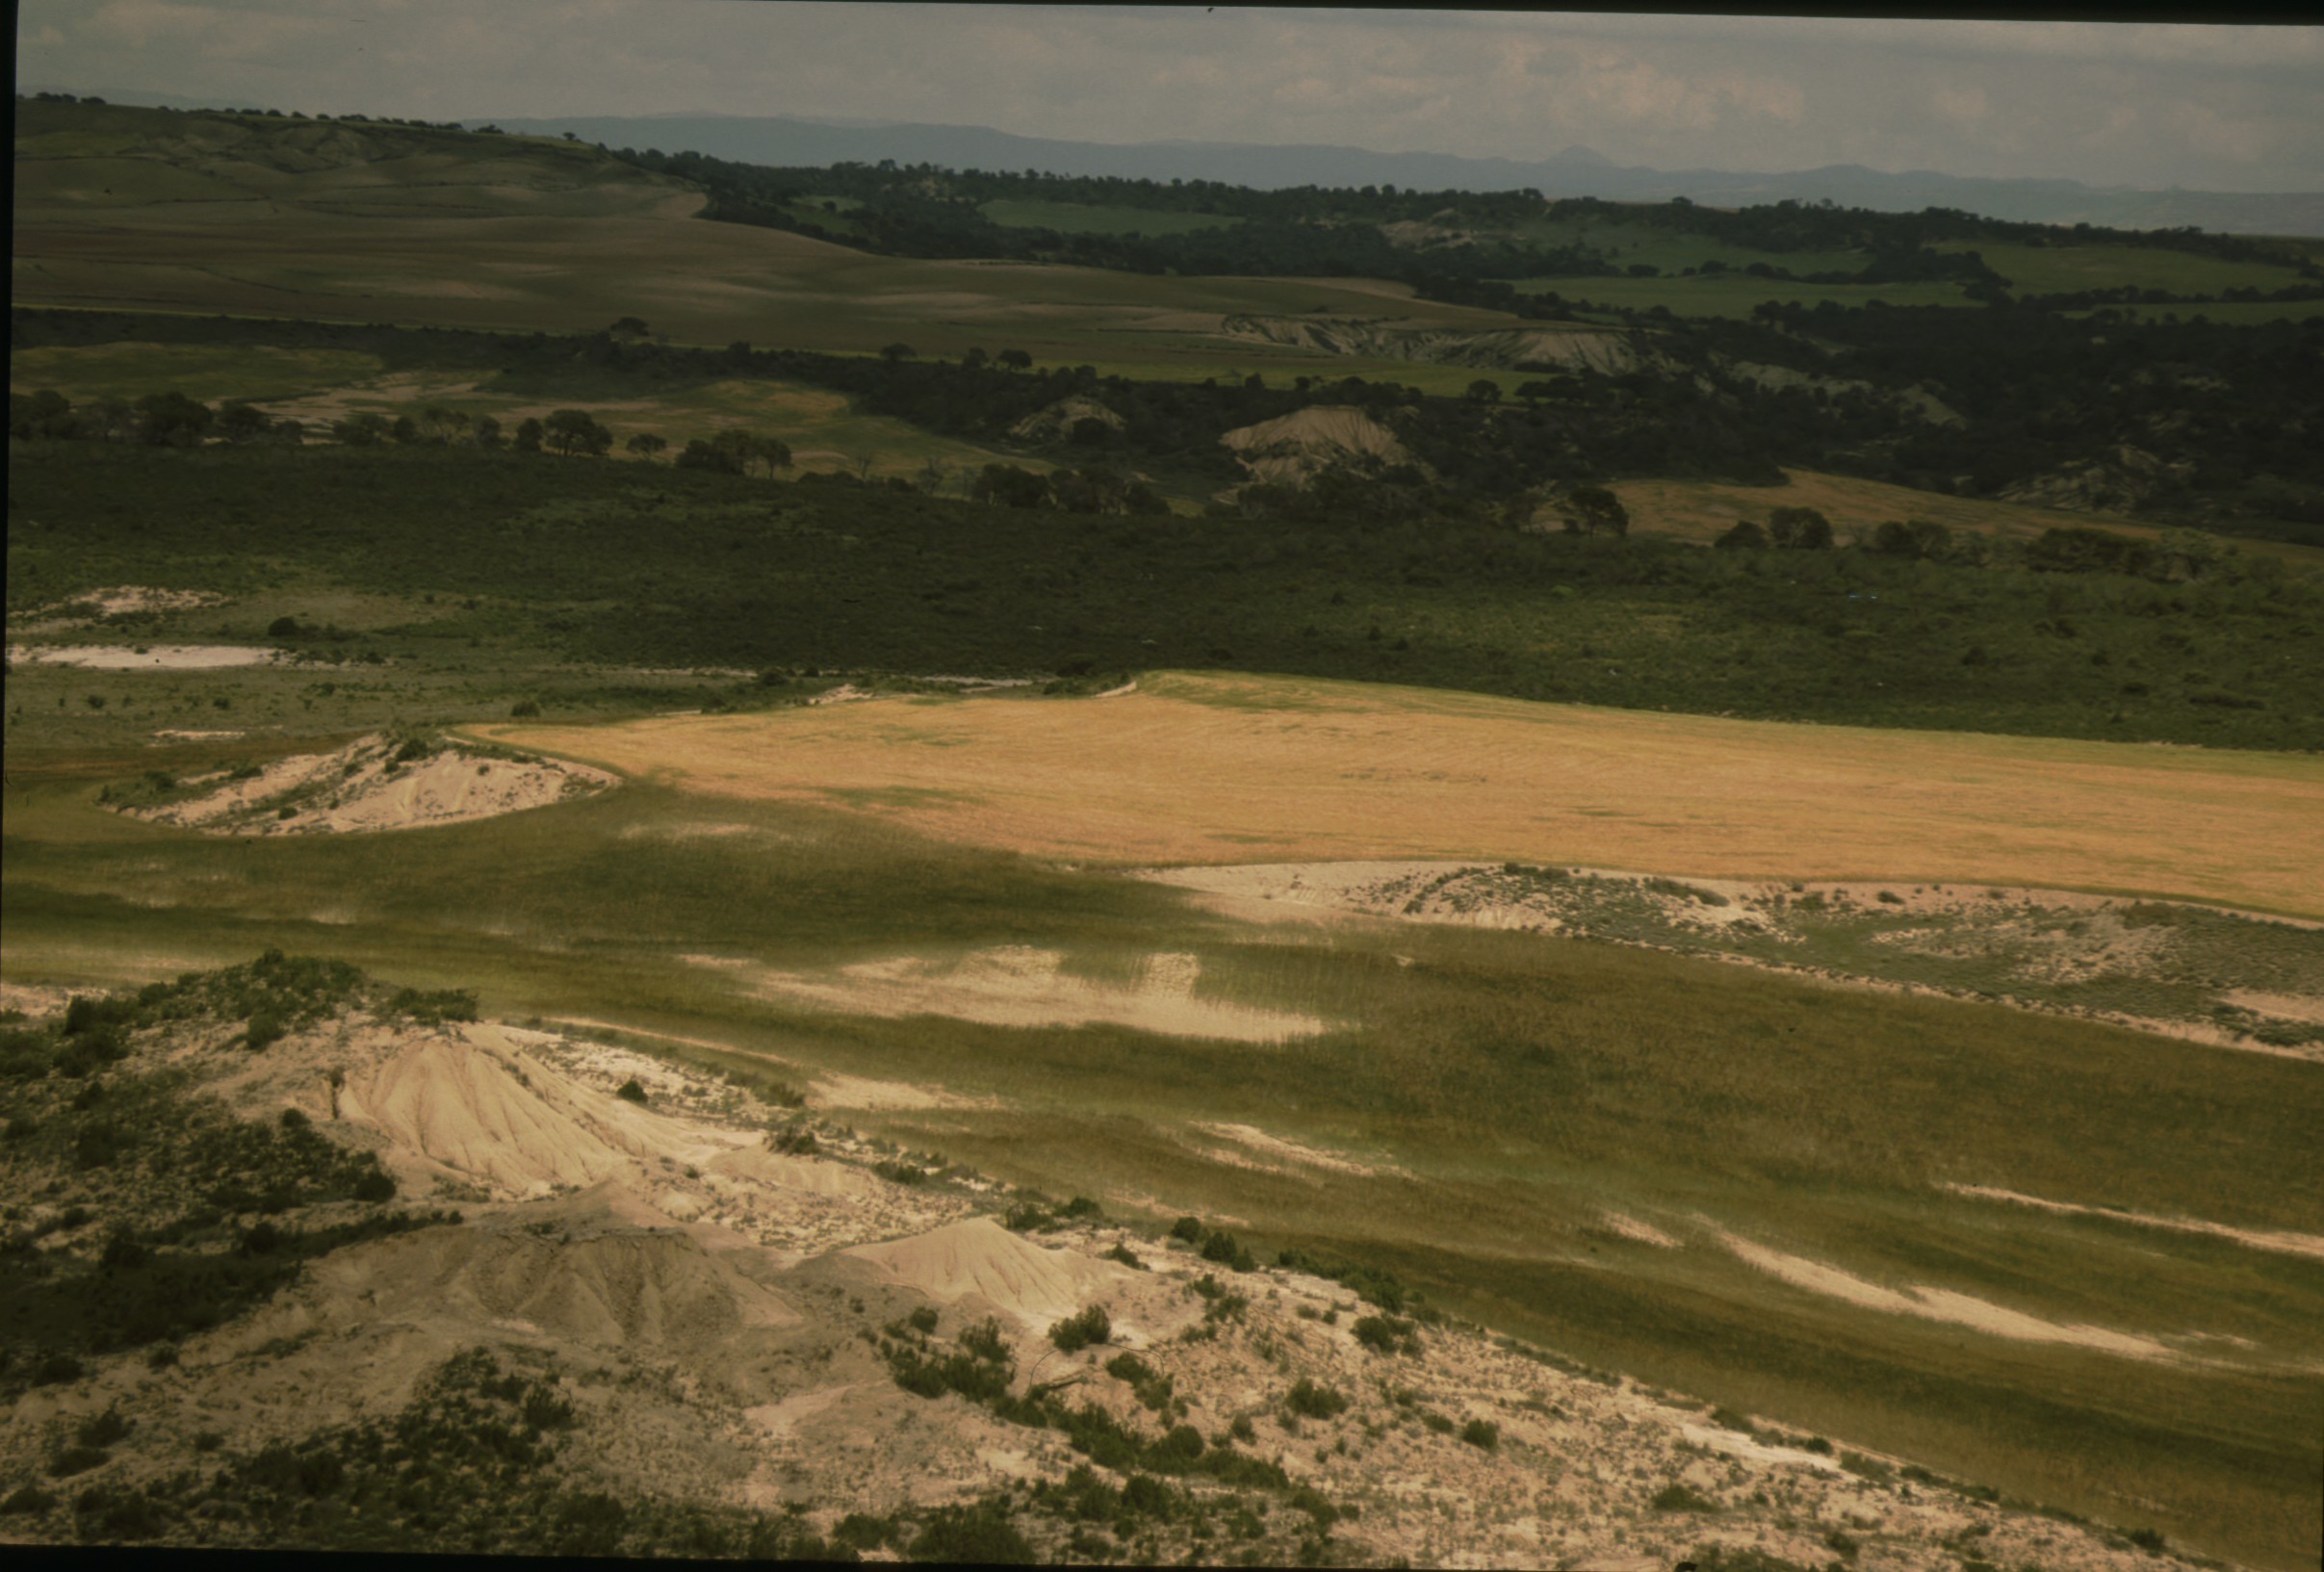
pixel 2217 108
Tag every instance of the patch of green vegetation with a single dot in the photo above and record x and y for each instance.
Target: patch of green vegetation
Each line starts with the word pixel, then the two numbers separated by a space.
pixel 1079 218
pixel 870 579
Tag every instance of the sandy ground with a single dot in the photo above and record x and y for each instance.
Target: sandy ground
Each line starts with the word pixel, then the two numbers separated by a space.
pixel 364 787
pixel 1211 770
pixel 2282 1242
pixel 145 656
pixel 1940 1304
pixel 116 601
pixel 2051 935
pixel 1306 1156
pixel 1016 985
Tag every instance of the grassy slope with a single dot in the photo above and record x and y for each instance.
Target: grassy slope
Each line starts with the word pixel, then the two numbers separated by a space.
pixel 567 245
pixel 1524 1088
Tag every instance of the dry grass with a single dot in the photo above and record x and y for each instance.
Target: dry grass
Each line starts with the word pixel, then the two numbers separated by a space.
pixel 699 282
pixel 1196 769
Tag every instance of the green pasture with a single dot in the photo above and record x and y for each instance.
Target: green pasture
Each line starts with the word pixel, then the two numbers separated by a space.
pixel 104 180
pixel 1082 219
pixel 1509 1091
pixel 2059 269
pixel 210 373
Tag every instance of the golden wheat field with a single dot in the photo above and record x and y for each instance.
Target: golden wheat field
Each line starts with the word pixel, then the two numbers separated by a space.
pixel 1203 768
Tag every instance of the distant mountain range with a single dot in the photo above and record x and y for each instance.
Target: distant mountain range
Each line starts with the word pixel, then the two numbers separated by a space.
pixel 1574 171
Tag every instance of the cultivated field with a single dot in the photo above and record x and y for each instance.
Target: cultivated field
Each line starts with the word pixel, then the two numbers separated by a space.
pixel 1215 769
pixel 697 282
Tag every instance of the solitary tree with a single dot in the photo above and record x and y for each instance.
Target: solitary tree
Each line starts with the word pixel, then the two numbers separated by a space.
pixel 239 422
pixel 1590 509
pixel 1800 529
pixel 1745 537
pixel 488 432
pixel 576 431
pixel 171 419
pixel 894 353
pixel 1010 486
pixel 1015 360
pixel 1485 391
pixel 366 428
pixel 528 436
pixel 645 445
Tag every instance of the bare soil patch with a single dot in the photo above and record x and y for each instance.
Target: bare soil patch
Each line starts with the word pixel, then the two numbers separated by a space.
pixel 145 656
pixel 1020 986
pixel 370 784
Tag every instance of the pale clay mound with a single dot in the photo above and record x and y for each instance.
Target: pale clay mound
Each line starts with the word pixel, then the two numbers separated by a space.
pixel 362 787
pixel 1290 448
pixel 1059 418
pixel 978 1256
pixel 1013 984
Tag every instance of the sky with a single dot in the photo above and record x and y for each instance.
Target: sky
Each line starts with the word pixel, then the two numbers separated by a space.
pixel 2220 108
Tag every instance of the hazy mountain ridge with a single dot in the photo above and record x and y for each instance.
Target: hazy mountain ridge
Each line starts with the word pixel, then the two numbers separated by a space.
pixel 1574 171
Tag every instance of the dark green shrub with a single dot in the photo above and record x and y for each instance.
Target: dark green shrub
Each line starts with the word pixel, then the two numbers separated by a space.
pixel 71 1460
pixel 1312 1402
pixel 102 1429
pixel 1079 1331
pixel 1188 1228
pixel 1176 1451
pixel 631 1092
pixel 1385 1334
pixel 860 1531
pixel 432 1008
pixel 924 1319
pixel 1679 1498
pixel 985 1341
pixel 1127 1257
pixel 981 1533
pixel 266 1026
pixel 54 1369
pixel 1482 1433
pixel 2150 1540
